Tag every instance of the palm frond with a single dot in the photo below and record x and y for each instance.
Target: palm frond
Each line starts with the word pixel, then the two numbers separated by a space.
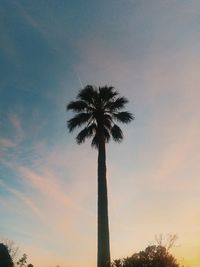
pixel 124 116
pixel 87 132
pixel 117 134
pixel 107 120
pixel 78 120
pixel 77 106
pixel 106 134
pixel 117 104
pixel 95 142
pixel 107 93
pixel 88 94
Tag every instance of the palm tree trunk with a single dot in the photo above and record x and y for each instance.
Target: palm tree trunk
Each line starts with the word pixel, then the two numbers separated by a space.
pixel 103 225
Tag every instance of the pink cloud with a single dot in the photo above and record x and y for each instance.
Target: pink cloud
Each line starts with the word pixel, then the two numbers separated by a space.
pixel 15 121
pixel 46 184
pixel 17 125
pixel 7 143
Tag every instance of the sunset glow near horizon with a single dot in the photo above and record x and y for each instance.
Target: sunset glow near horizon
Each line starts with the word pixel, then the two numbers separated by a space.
pixel 149 51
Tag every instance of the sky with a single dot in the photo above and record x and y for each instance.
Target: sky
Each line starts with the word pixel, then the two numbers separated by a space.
pixel 149 51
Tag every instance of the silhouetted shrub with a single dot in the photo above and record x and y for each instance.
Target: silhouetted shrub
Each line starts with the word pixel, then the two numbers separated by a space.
pixel 5 258
pixel 22 262
pixel 152 256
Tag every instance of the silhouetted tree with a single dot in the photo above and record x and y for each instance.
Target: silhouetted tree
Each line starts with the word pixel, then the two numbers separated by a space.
pixel 152 256
pixel 5 258
pixel 167 241
pixel 22 261
pixel 13 249
pixel 97 109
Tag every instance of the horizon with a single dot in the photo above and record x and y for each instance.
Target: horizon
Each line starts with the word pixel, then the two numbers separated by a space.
pixel 149 51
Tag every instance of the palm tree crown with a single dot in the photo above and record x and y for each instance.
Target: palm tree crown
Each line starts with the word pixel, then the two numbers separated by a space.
pixel 98 109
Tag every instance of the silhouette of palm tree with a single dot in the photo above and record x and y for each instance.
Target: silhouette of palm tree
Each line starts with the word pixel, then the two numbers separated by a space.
pixel 97 109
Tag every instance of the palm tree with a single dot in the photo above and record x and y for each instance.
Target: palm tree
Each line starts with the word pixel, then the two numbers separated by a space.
pixel 97 109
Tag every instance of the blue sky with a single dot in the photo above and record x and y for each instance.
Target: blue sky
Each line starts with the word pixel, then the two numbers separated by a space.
pixel 148 50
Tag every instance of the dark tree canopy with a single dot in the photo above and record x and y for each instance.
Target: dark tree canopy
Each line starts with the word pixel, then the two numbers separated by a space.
pixel 152 256
pixel 5 258
pixel 98 109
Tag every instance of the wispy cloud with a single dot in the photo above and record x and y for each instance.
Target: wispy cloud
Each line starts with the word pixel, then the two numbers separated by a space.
pixel 58 175
pixel 7 143
pixel 18 131
pixel 26 200
pixel 17 125
pixel 15 121
pixel 45 184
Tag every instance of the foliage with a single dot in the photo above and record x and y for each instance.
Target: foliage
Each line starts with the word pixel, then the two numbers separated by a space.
pixel 22 261
pixel 13 249
pixel 152 256
pixel 5 258
pixel 167 241
pixel 98 110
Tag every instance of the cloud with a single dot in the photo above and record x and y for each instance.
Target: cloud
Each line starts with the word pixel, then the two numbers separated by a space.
pixel 58 175
pixel 46 184
pixel 18 136
pixel 17 125
pixel 6 143
pixel 11 140
pixel 26 200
